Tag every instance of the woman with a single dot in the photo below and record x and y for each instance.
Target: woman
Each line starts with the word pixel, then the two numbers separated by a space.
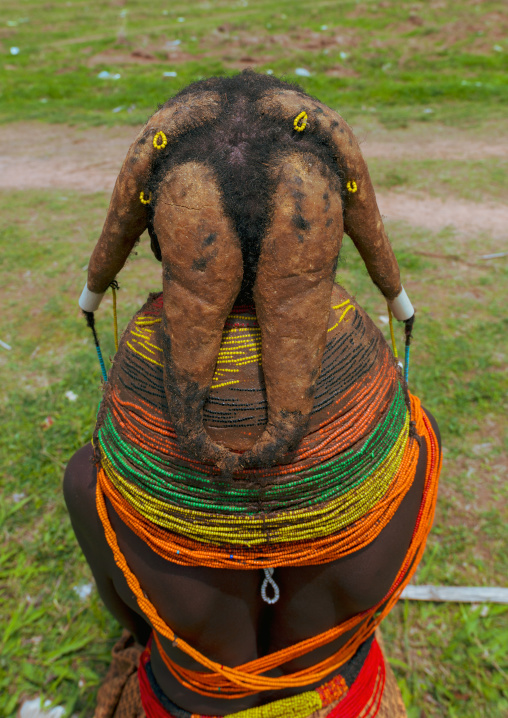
pixel 263 482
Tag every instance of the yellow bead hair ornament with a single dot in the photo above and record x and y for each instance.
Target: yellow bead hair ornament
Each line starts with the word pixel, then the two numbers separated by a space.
pixel 352 186
pixel 142 198
pixel 160 140
pixel 300 121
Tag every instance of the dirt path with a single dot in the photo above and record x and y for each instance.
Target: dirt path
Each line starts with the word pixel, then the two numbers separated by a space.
pixel 434 213
pixel 36 156
pixel 434 143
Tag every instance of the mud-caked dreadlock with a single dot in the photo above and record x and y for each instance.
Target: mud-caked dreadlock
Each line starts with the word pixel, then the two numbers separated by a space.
pixel 246 185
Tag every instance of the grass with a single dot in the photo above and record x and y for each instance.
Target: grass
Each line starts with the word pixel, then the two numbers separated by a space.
pixel 401 60
pixel 56 644
pixel 52 642
pixel 414 62
pixel 471 180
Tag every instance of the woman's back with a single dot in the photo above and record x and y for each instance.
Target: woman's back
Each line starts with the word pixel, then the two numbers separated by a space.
pixel 204 605
pixel 264 482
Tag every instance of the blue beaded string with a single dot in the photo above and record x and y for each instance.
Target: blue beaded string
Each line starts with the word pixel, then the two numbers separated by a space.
pixel 101 362
pixel 90 320
pixel 408 328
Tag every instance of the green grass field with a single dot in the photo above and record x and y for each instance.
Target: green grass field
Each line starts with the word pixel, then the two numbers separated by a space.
pixel 402 61
pixel 384 65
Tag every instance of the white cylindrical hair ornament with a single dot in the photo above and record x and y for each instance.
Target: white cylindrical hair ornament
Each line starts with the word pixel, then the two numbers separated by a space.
pixel 401 307
pixel 89 301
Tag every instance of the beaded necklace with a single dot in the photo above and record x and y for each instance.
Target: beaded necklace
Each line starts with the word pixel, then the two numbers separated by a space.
pixel 341 487
pixel 185 487
pixel 224 681
pixel 339 506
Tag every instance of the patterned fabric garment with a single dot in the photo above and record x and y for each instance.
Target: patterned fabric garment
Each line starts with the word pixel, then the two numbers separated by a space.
pixel 332 497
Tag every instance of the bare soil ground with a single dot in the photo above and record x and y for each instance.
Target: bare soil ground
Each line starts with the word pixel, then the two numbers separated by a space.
pixel 34 156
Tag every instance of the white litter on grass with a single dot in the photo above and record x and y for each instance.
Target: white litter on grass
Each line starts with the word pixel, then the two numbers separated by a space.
pixel 461 594
pixel 302 72
pixel 383 319
pixel 171 73
pixel 14 50
pixel 494 256
pixel 118 109
pixel 105 75
pixel 343 55
pixel 324 27
pixel 71 396
pixel 5 345
pixel 481 448
pixel 497 48
pixel 83 591
pixel 269 72
pixel 428 110
pixel 32 709
pixel 180 19
pixel 18 497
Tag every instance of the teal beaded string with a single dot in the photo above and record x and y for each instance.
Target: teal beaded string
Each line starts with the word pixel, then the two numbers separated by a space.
pixel 90 320
pixel 408 329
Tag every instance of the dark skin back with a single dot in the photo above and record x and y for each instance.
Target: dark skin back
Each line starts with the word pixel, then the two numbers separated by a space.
pixel 220 612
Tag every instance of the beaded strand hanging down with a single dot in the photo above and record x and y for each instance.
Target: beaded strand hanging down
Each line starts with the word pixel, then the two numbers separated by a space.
pixel 114 288
pixel 90 320
pixel 408 329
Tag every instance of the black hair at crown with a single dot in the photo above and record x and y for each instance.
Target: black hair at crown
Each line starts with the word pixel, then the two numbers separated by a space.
pixel 243 146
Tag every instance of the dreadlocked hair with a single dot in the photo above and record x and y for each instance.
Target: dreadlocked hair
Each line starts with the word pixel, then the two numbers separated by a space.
pixel 243 147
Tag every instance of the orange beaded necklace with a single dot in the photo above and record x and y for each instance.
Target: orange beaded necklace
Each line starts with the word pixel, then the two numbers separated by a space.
pixel 248 679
